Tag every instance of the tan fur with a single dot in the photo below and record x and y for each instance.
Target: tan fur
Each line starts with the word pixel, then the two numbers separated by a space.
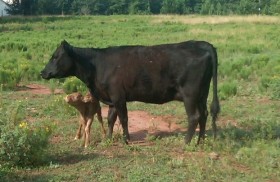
pixel 87 106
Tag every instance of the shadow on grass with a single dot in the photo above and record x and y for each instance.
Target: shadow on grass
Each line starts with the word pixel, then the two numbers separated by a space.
pixel 66 158
pixel 142 135
pixel 239 135
pixel 5 176
pixel 53 162
pixel 11 177
pixel 245 136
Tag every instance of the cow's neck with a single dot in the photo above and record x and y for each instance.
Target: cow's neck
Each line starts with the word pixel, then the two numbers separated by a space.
pixel 85 69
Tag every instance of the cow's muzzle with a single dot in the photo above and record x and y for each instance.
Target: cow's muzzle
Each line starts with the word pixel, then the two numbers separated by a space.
pixel 46 75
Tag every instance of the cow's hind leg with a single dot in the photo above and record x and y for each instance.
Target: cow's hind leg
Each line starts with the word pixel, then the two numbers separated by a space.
pixel 193 118
pixel 99 117
pixel 120 107
pixel 112 117
pixel 122 113
pixel 202 121
pixel 202 106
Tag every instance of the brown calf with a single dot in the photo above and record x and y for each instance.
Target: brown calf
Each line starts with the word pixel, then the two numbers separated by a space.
pixel 87 106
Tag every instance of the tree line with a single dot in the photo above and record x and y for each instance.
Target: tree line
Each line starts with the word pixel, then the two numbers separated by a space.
pixel 110 7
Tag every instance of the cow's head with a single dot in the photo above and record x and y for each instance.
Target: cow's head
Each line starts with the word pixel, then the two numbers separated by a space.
pixel 61 64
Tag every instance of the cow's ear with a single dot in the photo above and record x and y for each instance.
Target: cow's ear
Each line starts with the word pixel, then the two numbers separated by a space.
pixel 66 45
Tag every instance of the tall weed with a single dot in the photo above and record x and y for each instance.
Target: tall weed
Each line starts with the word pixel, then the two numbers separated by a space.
pixel 227 89
pixel 74 85
pixel 22 143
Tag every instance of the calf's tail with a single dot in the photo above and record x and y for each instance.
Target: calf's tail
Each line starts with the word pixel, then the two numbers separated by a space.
pixel 215 105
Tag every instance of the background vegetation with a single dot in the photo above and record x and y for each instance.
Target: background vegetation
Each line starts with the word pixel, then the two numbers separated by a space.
pixel 247 148
pixel 110 7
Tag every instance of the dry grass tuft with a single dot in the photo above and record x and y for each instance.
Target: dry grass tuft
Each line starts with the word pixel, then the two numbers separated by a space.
pixel 196 19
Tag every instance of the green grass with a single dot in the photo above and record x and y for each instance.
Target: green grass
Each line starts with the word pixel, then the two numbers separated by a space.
pixel 248 142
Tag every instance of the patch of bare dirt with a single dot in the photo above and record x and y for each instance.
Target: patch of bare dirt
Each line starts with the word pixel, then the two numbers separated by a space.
pixel 37 89
pixel 142 124
pixel 224 121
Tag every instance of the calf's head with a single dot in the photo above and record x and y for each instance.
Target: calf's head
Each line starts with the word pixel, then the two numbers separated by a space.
pixel 74 98
pixel 61 63
pixel 88 98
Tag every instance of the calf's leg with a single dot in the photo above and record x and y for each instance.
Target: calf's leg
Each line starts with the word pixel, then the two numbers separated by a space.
pixel 87 131
pixel 78 133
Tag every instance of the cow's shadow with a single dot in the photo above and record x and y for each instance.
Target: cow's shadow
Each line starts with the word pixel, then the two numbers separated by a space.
pixel 144 135
pixel 74 157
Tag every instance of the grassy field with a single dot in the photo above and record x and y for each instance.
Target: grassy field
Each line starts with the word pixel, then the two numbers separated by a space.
pixel 248 145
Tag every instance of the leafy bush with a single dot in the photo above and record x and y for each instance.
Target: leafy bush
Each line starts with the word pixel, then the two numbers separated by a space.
pixel 267 155
pixel 73 84
pixel 272 84
pixel 227 89
pixel 245 72
pixel 16 70
pixel 261 61
pixel 240 68
pixel 275 87
pixel 22 143
pixel 254 50
pixel 6 79
pixel 264 83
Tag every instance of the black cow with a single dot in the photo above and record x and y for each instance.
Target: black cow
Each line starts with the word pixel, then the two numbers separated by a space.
pixel 151 74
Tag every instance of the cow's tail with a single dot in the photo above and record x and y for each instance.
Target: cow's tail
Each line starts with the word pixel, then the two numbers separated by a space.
pixel 215 105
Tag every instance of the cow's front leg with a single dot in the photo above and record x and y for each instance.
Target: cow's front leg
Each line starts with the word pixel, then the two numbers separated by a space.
pixel 122 113
pixel 99 117
pixel 112 117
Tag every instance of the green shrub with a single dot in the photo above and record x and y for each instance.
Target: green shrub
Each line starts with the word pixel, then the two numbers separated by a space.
pixel 237 65
pixel 6 79
pixel 254 50
pixel 22 143
pixel 227 89
pixel 261 128
pixel 264 82
pixel 275 87
pixel 239 68
pixel 260 63
pixel 245 72
pixel 73 84
pixel 267 156
pixel 225 69
pixel 271 84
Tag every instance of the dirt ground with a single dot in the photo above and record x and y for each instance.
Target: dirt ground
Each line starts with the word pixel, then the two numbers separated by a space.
pixel 141 124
